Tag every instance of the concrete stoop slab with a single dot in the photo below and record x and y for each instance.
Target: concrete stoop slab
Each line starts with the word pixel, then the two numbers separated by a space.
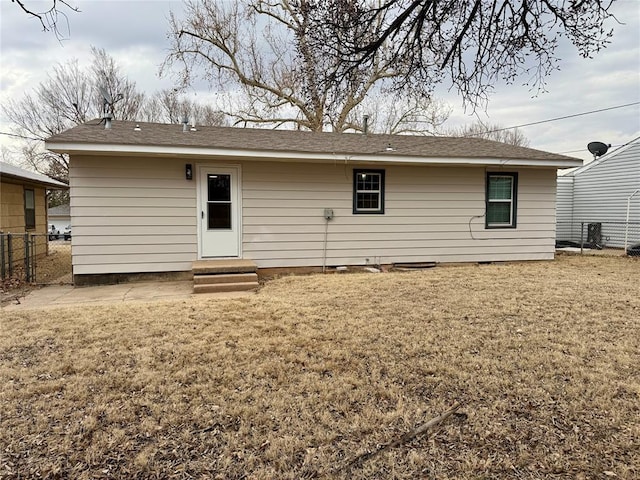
pixel 204 267
pixel 225 287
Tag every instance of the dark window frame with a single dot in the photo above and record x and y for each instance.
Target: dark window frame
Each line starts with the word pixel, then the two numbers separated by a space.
pixel 513 202
pixel 372 171
pixel 29 213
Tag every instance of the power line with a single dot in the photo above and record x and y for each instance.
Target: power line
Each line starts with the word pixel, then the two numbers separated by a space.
pixel 582 149
pixel 20 136
pixel 571 151
pixel 554 119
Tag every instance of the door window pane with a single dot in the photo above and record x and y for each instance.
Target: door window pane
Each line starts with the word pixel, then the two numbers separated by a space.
pixel 219 187
pixel 219 216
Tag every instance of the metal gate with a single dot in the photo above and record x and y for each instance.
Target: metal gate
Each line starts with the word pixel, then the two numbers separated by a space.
pixel 34 258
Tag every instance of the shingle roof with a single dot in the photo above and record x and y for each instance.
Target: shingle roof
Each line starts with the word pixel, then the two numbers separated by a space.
pixel 172 135
pixel 11 171
pixel 60 210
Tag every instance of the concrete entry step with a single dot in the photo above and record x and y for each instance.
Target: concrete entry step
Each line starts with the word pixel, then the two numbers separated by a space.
pixel 225 278
pixel 204 267
pixel 225 287
pixel 228 275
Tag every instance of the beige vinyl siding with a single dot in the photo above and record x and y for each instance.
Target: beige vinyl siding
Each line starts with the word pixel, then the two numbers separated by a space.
pixel 428 214
pixel 131 215
pixel 139 215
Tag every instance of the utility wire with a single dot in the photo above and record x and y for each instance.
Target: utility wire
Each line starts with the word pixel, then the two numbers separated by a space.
pixel 582 149
pixel 20 136
pixel 554 119
pixel 571 151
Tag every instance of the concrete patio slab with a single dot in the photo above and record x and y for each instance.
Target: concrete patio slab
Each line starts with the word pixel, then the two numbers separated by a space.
pixel 68 295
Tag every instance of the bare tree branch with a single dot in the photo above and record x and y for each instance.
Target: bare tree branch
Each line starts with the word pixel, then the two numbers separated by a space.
pixel 169 106
pixel 266 50
pixel 473 44
pixel 50 18
pixel 69 96
pixel 491 131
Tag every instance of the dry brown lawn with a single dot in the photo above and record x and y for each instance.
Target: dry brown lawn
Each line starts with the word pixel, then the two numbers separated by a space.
pixel 302 378
pixel 56 266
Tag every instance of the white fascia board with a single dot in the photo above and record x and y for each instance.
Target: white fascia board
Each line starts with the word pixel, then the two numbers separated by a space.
pixel 119 149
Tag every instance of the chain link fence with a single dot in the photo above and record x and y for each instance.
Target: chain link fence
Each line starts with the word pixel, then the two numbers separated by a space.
pixel 38 259
pixel 623 236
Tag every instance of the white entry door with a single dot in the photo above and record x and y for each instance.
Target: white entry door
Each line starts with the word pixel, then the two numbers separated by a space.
pixel 219 201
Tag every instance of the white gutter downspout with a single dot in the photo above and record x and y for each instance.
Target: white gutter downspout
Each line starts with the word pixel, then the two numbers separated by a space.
pixel 626 228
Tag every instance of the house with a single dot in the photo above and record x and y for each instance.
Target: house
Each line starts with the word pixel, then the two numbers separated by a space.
pixel 60 216
pixel 23 201
pixel 592 200
pixel 155 198
pixel 23 197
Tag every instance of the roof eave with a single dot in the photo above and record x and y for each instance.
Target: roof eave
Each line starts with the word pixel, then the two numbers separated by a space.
pixel 389 158
pixel 50 185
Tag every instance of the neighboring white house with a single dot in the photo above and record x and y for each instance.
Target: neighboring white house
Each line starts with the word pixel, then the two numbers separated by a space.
pixel 597 195
pixel 60 216
pixel 156 197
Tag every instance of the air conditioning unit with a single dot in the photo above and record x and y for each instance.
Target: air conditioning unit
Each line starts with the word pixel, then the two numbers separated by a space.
pixel 594 234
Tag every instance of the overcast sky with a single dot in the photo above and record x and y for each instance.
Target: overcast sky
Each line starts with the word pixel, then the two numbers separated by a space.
pixel 135 34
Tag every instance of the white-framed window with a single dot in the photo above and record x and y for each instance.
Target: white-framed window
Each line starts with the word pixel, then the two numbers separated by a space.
pixel 501 200
pixel 368 191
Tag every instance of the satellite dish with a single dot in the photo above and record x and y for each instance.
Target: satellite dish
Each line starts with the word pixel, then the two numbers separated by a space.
pixel 107 107
pixel 598 148
pixel 107 97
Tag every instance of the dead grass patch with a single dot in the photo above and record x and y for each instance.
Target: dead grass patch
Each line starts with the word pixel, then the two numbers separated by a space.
pixel 300 379
pixel 55 267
